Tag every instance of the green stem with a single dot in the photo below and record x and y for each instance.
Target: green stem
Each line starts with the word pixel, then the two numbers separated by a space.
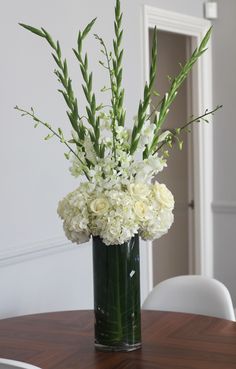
pixel 144 105
pixel 112 93
pixel 116 294
pixel 117 67
pixel 91 108
pixel 176 84
pixel 154 110
pixel 48 126
pixel 179 130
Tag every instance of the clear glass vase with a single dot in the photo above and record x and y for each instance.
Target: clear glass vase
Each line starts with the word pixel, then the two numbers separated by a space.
pixel 116 276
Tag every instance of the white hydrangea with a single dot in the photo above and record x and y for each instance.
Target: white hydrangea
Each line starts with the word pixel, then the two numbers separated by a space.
pixel 157 226
pixel 116 211
pixel 118 224
pixel 73 210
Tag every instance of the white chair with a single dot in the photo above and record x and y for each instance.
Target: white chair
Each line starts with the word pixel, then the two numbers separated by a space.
pixel 191 294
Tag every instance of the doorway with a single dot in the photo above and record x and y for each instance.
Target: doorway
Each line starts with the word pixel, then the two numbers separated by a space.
pixel 202 148
pixel 171 253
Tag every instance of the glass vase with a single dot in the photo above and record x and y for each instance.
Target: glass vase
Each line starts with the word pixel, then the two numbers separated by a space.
pixel 116 275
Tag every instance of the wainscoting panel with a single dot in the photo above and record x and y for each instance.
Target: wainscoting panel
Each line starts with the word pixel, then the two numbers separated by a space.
pixel 225 245
pixel 20 253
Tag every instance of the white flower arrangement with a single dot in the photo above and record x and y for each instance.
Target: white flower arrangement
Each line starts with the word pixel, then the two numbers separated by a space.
pixel 121 196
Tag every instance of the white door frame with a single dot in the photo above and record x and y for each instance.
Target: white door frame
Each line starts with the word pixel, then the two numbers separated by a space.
pixel 202 135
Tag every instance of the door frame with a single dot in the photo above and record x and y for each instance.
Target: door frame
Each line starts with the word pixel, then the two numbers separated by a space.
pixel 202 255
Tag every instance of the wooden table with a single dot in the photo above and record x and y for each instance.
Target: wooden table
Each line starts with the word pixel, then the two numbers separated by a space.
pixel 64 340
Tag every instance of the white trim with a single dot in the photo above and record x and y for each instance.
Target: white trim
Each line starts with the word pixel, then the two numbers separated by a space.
pixel 20 253
pixel 146 62
pixel 175 22
pixel 191 249
pixel 150 266
pixel 224 207
pixel 203 191
pixel 203 166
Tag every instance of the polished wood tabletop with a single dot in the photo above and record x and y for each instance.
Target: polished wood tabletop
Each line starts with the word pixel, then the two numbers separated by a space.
pixel 64 340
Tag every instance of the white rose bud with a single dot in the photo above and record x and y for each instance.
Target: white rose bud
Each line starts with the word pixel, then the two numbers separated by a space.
pixel 99 206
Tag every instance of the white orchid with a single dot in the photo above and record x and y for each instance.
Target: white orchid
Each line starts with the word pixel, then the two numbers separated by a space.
pixel 147 134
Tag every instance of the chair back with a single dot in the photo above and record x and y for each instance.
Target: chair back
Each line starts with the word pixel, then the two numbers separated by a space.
pixel 192 294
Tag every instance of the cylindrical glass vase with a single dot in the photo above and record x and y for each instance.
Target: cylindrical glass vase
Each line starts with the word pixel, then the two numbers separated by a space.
pixel 116 275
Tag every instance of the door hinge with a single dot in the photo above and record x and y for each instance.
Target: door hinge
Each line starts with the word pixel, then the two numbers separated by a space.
pixel 191 204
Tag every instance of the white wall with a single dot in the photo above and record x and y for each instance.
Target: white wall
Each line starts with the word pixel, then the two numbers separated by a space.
pixel 39 270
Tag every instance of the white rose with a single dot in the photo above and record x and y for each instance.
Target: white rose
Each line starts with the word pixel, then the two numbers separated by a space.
pixel 138 190
pixel 163 195
pixel 99 206
pixel 140 209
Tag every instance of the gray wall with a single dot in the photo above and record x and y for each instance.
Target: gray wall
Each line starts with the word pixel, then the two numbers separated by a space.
pixel 34 174
pixel 170 252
